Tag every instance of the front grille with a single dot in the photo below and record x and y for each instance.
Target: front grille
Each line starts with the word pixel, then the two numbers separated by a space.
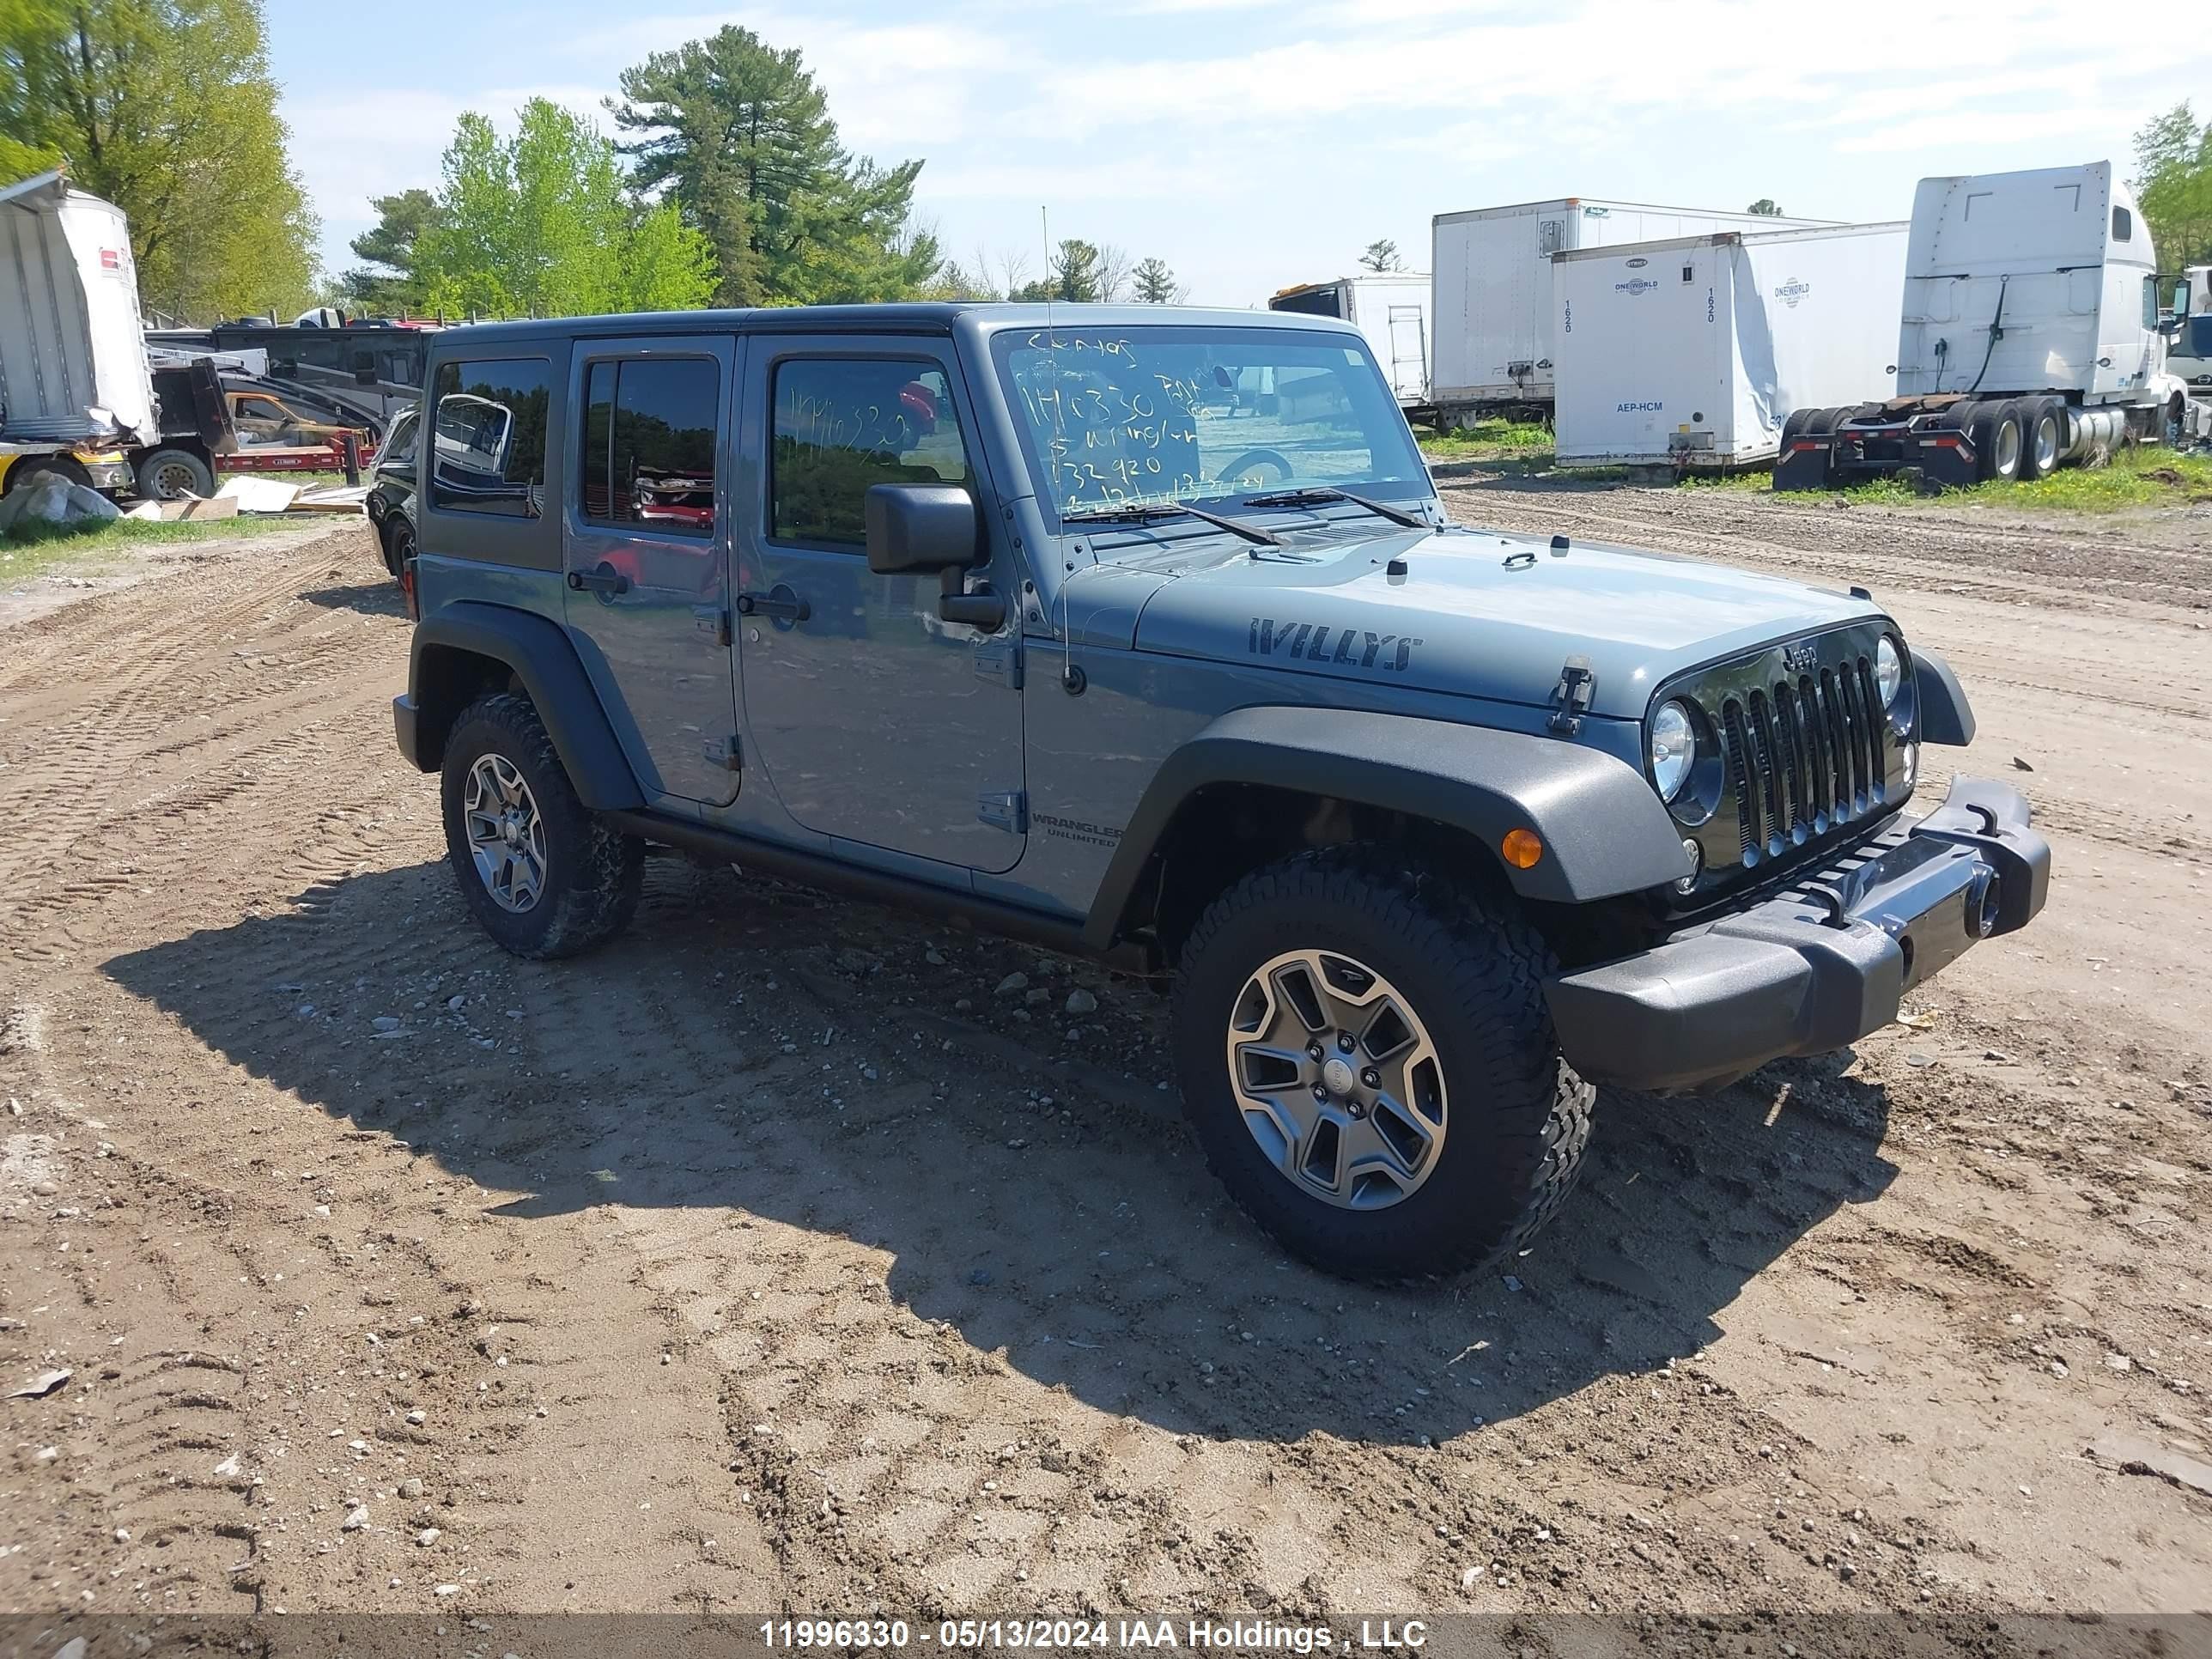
pixel 1806 751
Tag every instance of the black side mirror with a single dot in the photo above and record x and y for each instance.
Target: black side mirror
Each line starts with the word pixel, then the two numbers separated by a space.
pixel 913 529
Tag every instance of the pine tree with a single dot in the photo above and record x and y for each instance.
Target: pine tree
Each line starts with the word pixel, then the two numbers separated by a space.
pixel 738 135
pixel 1154 283
pixel 1382 255
pixel 387 283
pixel 1075 272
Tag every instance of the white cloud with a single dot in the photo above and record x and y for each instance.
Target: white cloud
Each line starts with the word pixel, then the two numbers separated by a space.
pixel 1253 145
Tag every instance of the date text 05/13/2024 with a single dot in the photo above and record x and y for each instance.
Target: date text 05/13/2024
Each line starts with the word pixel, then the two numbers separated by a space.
pixel 1241 1634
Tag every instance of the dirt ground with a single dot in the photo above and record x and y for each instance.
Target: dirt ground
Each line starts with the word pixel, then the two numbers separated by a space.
pixel 770 1260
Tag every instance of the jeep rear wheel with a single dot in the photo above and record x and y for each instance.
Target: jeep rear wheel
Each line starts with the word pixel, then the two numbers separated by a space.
pixel 1367 1059
pixel 543 874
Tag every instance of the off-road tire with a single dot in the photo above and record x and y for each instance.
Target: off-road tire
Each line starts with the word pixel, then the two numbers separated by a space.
pixel 1519 1116
pixel 594 873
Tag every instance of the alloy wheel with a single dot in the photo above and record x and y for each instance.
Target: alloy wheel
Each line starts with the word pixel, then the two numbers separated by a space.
pixel 2008 448
pixel 507 835
pixel 1337 1079
pixel 2046 442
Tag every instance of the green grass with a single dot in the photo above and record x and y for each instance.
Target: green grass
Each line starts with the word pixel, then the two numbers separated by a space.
pixel 2147 476
pixel 1526 443
pixel 38 549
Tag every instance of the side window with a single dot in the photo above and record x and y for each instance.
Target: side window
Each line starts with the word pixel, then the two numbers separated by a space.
pixel 489 436
pixel 2123 228
pixel 649 439
pixel 399 442
pixel 842 425
pixel 2150 302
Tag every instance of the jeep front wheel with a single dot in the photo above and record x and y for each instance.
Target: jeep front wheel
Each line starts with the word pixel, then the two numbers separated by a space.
pixel 543 874
pixel 1367 1059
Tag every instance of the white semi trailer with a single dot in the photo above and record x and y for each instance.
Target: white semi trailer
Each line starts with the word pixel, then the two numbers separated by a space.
pixel 1692 353
pixel 2032 332
pixel 75 393
pixel 1391 308
pixel 1490 308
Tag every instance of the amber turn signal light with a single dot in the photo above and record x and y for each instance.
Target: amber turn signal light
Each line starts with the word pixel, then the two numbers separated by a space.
pixel 1522 847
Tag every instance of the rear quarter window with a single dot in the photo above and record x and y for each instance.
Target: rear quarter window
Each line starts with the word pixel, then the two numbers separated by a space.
pixel 488 419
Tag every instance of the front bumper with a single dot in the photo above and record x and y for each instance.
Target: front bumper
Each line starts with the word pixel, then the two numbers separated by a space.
pixel 1816 968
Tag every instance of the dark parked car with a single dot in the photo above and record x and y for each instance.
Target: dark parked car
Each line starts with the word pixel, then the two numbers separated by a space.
pixel 391 500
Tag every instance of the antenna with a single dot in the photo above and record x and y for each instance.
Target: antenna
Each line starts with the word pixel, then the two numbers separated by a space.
pixel 1069 679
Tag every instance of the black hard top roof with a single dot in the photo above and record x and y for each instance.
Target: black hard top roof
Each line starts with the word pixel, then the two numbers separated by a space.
pixel 918 317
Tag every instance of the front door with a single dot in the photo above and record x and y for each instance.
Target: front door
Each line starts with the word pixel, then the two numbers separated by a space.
pixel 876 720
pixel 646 539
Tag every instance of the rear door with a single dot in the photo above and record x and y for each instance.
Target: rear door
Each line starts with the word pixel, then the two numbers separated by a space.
pixel 645 545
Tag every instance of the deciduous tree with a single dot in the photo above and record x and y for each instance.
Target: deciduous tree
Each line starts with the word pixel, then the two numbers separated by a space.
pixel 2173 185
pixel 165 107
pixel 543 225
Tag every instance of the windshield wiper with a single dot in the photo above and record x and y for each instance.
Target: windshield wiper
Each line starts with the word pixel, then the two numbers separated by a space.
pixel 1140 514
pixel 1316 495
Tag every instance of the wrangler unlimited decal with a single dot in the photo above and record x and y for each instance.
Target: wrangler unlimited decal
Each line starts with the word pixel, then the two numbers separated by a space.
pixel 1310 643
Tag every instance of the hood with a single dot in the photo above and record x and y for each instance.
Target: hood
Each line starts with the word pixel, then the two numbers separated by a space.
pixel 1478 614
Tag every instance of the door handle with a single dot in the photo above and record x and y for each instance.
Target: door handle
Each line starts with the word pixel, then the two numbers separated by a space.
pixel 606 581
pixel 779 604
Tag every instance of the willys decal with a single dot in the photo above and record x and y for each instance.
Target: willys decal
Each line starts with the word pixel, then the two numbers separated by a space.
pixel 1321 642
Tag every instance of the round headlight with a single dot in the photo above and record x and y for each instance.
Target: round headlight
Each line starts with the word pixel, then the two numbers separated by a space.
pixel 1672 746
pixel 1888 671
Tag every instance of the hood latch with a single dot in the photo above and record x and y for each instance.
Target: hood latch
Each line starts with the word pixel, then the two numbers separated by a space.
pixel 1573 692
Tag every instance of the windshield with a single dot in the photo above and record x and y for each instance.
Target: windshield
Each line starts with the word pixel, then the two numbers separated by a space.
pixel 1127 416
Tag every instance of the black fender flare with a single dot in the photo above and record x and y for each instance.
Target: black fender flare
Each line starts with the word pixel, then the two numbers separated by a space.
pixel 539 652
pixel 1945 715
pixel 1602 825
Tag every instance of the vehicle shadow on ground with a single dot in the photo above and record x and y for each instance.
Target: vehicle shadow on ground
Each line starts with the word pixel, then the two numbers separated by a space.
pixel 755 1049
pixel 380 598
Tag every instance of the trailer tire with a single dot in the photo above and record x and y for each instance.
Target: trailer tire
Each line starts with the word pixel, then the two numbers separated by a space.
pixel 165 474
pixel 1997 434
pixel 2042 437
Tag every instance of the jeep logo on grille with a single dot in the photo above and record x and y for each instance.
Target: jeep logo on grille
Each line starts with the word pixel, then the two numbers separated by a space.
pixel 1801 658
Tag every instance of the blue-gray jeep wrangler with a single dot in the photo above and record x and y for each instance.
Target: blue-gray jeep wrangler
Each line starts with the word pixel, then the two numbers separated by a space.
pixel 1141 634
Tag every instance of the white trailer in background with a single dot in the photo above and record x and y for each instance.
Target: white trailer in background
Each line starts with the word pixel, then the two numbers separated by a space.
pixel 2032 331
pixel 1490 297
pixel 74 383
pixel 1391 308
pixel 1692 352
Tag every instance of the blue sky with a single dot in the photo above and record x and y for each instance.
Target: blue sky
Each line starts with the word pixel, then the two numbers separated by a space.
pixel 1253 144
